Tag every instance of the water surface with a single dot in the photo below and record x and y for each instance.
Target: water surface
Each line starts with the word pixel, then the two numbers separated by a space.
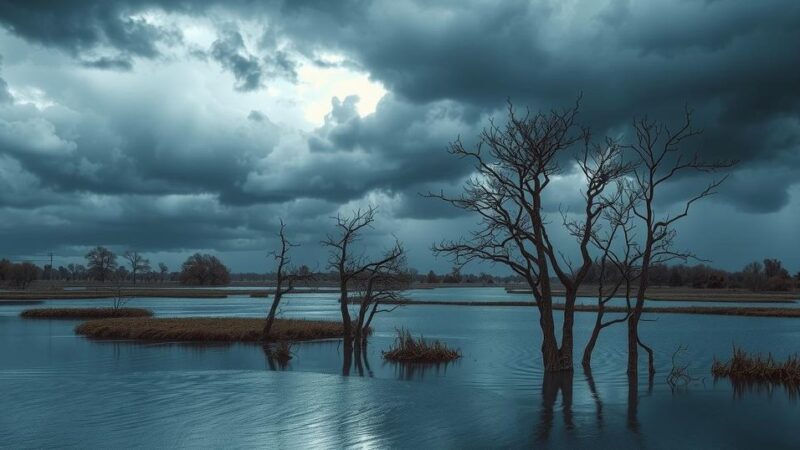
pixel 61 390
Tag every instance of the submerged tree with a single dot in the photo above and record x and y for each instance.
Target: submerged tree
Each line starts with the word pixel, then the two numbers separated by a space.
pixel 616 263
pixel 661 158
pixel 379 284
pixel 285 277
pixel 514 165
pixel 351 266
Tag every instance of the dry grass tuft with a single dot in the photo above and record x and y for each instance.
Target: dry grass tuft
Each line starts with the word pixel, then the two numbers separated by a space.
pixel 208 329
pixel 747 368
pixel 409 349
pixel 84 313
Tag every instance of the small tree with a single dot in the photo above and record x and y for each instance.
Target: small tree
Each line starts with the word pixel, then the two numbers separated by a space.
pixel 23 274
pixel 285 277
pixel 380 283
pixel 753 277
pixel 163 271
pixel 119 300
pixel 5 269
pixel 432 278
pixel 137 262
pixel 204 269
pixel 101 263
pixel 617 263
pixel 349 266
pixel 660 156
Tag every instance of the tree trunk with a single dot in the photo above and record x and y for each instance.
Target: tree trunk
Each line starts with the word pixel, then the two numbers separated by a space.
pixel 550 353
pixel 586 362
pixel 651 369
pixel 271 315
pixel 567 340
pixel 347 326
pixel 362 314
pixel 633 320
pixel 633 343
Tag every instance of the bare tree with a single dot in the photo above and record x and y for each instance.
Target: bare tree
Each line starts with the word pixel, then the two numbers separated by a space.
pixel 380 283
pixel 101 263
pixel 514 165
pixel 617 262
pixel 163 270
pixel 349 265
pixel 286 277
pixel 119 299
pixel 661 158
pixel 137 262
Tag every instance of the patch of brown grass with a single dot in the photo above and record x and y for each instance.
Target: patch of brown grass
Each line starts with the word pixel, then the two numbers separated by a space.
pixel 756 367
pixel 409 349
pixel 84 313
pixel 208 329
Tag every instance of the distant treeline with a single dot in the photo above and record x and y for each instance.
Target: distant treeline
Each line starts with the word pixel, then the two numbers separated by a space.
pixel 767 276
pixel 103 265
pixel 201 269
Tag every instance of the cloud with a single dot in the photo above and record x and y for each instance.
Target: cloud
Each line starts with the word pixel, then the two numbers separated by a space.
pixel 119 63
pixel 230 52
pixel 88 27
pixel 152 139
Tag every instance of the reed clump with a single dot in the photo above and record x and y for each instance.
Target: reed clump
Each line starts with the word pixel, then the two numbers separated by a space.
pixel 280 351
pixel 209 329
pixel 84 313
pixel 756 367
pixel 409 349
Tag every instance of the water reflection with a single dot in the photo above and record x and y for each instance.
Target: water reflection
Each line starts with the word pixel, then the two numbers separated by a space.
pixel 552 385
pixel 742 387
pixel 495 396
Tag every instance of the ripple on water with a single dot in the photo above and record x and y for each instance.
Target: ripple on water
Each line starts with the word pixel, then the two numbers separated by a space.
pixel 235 408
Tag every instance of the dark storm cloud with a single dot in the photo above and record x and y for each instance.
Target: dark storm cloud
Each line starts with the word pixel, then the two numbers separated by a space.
pixel 730 61
pixel 395 150
pixel 448 67
pixel 230 52
pixel 87 26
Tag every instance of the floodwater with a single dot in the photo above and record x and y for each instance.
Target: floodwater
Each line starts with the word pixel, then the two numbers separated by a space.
pixel 61 390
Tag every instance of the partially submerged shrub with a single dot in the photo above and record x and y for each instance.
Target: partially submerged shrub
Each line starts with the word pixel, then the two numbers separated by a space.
pixel 678 377
pixel 409 349
pixel 84 313
pixel 280 351
pixel 756 367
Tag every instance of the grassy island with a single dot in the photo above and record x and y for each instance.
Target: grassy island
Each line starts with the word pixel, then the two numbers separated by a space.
pixel 84 313
pixel 744 367
pixel 208 329
pixel 418 350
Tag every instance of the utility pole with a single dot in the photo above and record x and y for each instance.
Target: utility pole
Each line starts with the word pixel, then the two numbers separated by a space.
pixel 50 274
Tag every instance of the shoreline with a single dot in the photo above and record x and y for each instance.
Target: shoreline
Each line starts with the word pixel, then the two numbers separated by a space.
pixel 654 294
pixel 702 310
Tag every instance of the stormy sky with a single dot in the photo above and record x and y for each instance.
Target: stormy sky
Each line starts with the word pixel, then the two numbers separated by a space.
pixel 173 127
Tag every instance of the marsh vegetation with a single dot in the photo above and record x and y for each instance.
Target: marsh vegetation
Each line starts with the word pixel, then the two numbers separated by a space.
pixel 409 349
pixel 209 329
